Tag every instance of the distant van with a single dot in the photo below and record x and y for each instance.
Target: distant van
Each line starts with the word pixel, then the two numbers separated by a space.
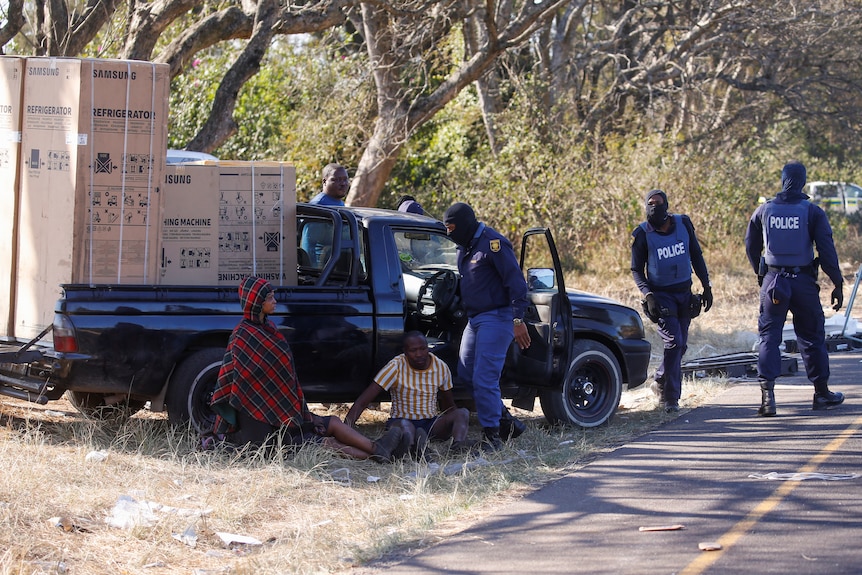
pixel 838 196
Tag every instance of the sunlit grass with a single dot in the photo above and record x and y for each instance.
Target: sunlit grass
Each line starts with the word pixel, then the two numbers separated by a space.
pixel 312 511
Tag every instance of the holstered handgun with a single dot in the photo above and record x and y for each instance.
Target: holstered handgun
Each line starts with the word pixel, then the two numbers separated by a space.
pixel 761 271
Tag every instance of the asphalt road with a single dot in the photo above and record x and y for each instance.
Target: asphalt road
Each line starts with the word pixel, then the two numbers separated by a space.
pixel 707 471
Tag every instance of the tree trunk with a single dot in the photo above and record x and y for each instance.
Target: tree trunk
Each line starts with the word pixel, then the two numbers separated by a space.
pixel 14 22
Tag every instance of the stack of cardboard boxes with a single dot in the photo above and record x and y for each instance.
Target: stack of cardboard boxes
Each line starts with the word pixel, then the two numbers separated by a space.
pixel 224 221
pixel 86 197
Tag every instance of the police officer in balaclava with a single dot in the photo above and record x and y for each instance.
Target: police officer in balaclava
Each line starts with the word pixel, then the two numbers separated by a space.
pixel 494 293
pixel 780 241
pixel 664 251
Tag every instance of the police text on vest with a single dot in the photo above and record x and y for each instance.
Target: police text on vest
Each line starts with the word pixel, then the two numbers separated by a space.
pixel 671 251
pixel 784 222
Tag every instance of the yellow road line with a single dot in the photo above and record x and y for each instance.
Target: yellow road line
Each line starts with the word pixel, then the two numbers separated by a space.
pixel 735 533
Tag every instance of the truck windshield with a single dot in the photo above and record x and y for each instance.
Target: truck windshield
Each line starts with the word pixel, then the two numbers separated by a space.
pixel 425 250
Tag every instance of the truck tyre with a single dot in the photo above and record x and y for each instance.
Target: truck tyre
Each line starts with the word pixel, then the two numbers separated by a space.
pixel 191 389
pixel 94 406
pixel 591 390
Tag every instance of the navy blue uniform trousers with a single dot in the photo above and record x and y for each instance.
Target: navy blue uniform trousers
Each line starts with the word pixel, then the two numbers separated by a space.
pixel 804 303
pixel 673 331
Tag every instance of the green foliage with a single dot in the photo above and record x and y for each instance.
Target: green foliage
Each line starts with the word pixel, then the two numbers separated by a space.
pixel 311 104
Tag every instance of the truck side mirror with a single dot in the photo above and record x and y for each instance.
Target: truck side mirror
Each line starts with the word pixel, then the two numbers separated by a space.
pixel 540 278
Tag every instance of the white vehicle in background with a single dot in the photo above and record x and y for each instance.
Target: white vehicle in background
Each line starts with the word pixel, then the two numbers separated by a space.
pixel 842 197
pixel 186 156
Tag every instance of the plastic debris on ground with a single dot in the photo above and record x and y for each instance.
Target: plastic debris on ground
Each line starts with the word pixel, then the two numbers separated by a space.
pixel 804 476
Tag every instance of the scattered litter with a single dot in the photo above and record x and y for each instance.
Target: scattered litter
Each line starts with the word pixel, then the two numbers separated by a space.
pixel 128 512
pixel 405 497
pixel 96 456
pixel 67 524
pixel 322 523
pixel 709 546
pixel 372 479
pixel 804 476
pixel 341 475
pixel 676 527
pixel 189 536
pixel 231 538
pixel 55 413
pixel 53 566
pixel 567 442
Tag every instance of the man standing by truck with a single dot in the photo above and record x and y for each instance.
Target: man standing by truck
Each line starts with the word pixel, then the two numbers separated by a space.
pixel 336 184
pixel 494 293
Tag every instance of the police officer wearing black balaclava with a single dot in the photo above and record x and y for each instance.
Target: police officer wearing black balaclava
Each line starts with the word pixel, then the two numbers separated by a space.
pixel 779 243
pixel 664 251
pixel 494 293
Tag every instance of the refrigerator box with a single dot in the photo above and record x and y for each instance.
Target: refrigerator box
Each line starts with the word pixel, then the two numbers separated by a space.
pixel 226 220
pixel 94 140
pixel 11 86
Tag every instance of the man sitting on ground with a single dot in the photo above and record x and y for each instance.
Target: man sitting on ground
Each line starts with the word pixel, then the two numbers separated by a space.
pixel 415 380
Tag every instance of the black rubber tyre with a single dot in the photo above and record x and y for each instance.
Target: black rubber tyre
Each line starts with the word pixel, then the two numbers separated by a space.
pixel 591 391
pixel 93 406
pixel 191 389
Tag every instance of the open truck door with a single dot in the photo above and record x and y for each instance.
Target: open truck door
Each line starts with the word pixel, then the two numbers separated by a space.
pixel 578 381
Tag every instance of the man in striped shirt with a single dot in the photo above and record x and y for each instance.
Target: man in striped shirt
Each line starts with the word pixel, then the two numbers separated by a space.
pixel 415 380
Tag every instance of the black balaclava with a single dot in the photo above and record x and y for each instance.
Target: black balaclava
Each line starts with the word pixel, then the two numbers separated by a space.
pixel 465 222
pixel 793 178
pixel 656 215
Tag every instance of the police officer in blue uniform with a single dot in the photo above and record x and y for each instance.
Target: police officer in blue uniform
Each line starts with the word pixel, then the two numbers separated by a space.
pixel 664 251
pixel 779 243
pixel 494 293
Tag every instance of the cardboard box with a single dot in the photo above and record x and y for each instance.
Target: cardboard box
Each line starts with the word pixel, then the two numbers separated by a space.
pixel 11 86
pixel 189 242
pixel 94 139
pixel 224 221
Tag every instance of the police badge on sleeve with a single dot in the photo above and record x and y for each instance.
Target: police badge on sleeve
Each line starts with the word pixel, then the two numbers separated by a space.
pixel 495 245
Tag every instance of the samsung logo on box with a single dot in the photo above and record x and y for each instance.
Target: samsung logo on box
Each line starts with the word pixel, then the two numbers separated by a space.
pixel 178 179
pixel 42 71
pixel 114 74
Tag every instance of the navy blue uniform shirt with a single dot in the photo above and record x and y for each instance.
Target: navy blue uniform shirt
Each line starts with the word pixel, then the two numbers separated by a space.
pixel 640 254
pixel 490 275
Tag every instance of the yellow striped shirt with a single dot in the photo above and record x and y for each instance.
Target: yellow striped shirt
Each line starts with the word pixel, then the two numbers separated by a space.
pixel 414 392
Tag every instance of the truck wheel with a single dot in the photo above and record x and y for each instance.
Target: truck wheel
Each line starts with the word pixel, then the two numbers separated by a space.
pixel 94 406
pixel 591 391
pixel 191 388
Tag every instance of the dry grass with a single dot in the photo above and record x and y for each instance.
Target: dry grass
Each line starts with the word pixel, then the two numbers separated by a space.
pixel 313 512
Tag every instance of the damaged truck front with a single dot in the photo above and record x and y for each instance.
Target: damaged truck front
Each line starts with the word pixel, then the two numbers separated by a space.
pixel 365 276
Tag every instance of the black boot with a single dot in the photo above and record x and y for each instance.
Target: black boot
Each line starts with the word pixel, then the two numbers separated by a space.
pixel 824 399
pixel 386 445
pixel 510 426
pixel 767 402
pixel 491 439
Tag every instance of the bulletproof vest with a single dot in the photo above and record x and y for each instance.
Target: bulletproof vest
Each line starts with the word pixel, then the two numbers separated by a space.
pixel 668 260
pixel 785 234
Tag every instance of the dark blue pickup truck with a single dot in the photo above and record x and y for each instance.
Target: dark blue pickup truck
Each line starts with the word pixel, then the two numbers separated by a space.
pixel 365 276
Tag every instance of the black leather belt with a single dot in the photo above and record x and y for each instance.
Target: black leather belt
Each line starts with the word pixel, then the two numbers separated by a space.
pixel 792 270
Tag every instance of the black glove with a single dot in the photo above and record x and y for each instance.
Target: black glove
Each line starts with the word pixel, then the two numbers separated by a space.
pixel 653 311
pixel 838 297
pixel 707 298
